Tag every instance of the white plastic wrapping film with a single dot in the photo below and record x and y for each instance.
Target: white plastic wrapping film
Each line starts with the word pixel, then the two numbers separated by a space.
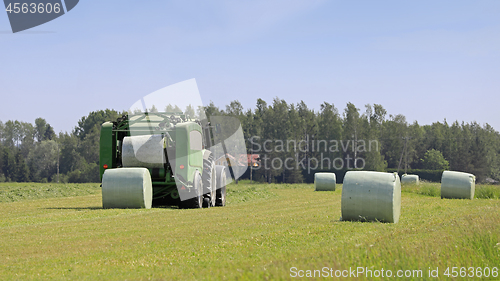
pixel 371 196
pixel 410 179
pixel 230 140
pixel 324 182
pixel 457 185
pixel 143 151
pixel 127 188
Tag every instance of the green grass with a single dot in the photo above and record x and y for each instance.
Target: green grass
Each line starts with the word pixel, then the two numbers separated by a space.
pixel 434 189
pixel 487 192
pixel 424 188
pixel 263 232
pixel 11 192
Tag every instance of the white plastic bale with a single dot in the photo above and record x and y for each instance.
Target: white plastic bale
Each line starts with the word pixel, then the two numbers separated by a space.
pixel 410 179
pixel 324 181
pixel 457 185
pixel 127 188
pixel 143 151
pixel 371 196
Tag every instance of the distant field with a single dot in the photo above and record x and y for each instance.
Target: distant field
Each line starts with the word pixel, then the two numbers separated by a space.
pixel 434 189
pixel 60 232
pixel 11 192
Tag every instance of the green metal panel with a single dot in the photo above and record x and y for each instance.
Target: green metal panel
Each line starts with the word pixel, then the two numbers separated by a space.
pixel 107 148
pixel 191 159
pixel 196 149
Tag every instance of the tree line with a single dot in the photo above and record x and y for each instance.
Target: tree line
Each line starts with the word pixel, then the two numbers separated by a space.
pixel 35 153
pixel 334 137
pixel 293 142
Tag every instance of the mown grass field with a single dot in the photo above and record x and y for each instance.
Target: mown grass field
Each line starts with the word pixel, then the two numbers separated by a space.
pixel 60 232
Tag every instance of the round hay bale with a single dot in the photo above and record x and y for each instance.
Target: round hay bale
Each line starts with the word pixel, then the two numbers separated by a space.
pixel 410 179
pixel 143 151
pixel 457 185
pixel 324 181
pixel 127 188
pixel 371 196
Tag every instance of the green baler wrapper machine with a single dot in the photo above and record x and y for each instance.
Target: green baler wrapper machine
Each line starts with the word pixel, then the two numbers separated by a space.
pixel 175 152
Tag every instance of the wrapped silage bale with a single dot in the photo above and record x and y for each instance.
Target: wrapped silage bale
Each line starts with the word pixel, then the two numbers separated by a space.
pixel 324 181
pixel 410 179
pixel 457 185
pixel 143 151
pixel 127 188
pixel 371 196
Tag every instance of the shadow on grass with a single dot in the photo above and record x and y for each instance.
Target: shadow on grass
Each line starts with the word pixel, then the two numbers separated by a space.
pixel 101 208
pixel 165 207
pixel 73 208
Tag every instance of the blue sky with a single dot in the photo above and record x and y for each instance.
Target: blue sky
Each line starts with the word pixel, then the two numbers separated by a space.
pixel 427 60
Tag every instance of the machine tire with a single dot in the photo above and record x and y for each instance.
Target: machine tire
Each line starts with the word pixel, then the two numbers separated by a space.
pixel 209 182
pixel 206 202
pixel 197 201
pixel 220 172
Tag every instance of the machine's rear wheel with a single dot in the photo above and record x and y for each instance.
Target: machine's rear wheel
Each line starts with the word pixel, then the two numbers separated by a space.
pixel 197 201
pixel 206 202
pixel 209 182
pixel 220 171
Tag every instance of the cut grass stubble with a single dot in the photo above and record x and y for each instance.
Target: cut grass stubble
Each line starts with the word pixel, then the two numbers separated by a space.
pixel 263 232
